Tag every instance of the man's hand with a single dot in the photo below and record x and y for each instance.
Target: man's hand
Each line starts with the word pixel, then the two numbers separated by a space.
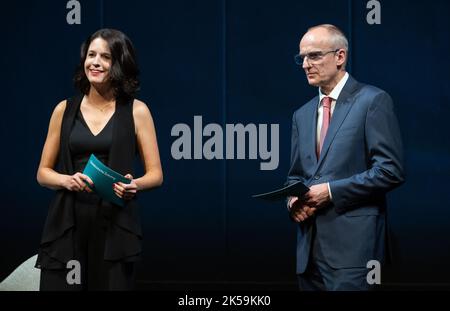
pixel 299 211
pixel 317 196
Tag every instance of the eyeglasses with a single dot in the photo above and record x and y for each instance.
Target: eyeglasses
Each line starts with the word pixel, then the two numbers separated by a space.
pixel 312 56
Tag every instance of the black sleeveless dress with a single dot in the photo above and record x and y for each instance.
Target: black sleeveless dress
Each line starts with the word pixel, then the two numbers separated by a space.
pixel 83 143
pixel 90 226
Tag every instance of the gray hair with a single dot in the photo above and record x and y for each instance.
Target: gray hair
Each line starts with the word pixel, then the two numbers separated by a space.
pixel 338 38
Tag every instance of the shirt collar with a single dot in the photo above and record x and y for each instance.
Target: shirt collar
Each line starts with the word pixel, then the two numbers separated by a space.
pixel 334 94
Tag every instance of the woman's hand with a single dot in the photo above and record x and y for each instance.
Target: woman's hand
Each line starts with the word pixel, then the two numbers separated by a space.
pixel 126 191
pixel 76 182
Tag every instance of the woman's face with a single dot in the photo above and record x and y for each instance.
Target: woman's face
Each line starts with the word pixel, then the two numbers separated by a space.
pixel 98 62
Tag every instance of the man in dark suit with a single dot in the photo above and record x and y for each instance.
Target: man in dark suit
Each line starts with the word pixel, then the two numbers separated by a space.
pixel 346 147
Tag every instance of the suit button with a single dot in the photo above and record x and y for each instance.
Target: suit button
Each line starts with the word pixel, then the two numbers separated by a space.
pixel 317 177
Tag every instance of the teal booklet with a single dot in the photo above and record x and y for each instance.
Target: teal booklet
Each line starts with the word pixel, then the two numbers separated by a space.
pixel 104 178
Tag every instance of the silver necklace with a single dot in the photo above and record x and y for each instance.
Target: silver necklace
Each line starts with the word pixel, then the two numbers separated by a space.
pixel 103 108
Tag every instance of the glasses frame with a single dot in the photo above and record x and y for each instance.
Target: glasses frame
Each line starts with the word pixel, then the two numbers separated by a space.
pixel 299 60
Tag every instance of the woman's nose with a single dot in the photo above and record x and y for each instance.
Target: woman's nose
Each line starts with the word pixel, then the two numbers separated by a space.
pixel 96 61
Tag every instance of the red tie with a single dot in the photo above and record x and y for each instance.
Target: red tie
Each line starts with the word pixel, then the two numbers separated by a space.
pixel 326 115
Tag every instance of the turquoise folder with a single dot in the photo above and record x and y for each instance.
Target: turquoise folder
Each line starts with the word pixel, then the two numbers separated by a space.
pixel 104 178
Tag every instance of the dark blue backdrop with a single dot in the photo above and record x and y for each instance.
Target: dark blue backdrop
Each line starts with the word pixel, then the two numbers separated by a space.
pixel 230 61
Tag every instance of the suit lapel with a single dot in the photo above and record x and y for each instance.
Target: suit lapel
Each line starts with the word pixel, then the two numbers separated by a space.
pixel 343 105
pixel 311 119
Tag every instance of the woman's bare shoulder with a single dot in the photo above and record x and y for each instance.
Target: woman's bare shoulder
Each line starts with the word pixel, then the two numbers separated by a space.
pixel 60 108
pixel 140 107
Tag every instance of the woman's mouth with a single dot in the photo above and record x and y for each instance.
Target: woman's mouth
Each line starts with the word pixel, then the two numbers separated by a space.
pixel 95 72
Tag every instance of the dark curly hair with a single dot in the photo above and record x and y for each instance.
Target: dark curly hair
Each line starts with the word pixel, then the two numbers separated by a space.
pixel 124 71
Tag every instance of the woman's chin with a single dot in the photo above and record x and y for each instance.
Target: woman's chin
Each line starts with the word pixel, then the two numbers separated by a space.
pixel 98 83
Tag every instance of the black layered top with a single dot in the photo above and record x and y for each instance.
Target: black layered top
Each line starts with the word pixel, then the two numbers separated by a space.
pixel 123 233
pixel 83 143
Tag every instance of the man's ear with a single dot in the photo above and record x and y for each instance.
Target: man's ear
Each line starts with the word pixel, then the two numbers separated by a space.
pixel 342 57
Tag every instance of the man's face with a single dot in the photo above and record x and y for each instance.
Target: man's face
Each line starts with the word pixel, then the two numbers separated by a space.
pixel 322 68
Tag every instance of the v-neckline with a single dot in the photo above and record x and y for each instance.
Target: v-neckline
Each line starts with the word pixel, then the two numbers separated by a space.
pixel 89 128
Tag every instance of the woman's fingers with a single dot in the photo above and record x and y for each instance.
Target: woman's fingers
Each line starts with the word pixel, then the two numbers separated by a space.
pixel 125 191
pixel 118 190
pixel 127 187
pixel 87 183
pixel 78 182
pixel 86 178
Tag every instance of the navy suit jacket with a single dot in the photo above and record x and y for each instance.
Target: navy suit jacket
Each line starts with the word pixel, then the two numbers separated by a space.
pixel 361 159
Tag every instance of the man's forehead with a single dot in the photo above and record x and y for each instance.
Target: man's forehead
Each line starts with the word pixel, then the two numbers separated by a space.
pixel 314 39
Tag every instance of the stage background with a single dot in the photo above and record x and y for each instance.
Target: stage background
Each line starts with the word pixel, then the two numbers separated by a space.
pixel 231 61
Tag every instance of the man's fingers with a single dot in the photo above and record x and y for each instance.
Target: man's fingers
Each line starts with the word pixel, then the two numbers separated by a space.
pixel 299 216
pixel 294 216
pixel 306 196
pixel 308 201
pixel 292 201
pixel 303 213
pixel 309 210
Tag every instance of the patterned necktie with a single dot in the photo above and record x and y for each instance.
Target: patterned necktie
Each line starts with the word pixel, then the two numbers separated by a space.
pixel 326 116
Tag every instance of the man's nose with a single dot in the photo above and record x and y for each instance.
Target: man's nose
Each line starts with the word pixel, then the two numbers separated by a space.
pixel 306 64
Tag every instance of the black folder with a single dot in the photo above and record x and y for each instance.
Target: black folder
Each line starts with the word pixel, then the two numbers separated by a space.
pixel 296 189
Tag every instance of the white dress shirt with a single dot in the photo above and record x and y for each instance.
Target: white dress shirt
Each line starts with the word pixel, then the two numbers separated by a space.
pixel 334 94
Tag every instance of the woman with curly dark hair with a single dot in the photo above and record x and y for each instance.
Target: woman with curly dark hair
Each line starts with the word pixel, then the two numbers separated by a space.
pixel 100 239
